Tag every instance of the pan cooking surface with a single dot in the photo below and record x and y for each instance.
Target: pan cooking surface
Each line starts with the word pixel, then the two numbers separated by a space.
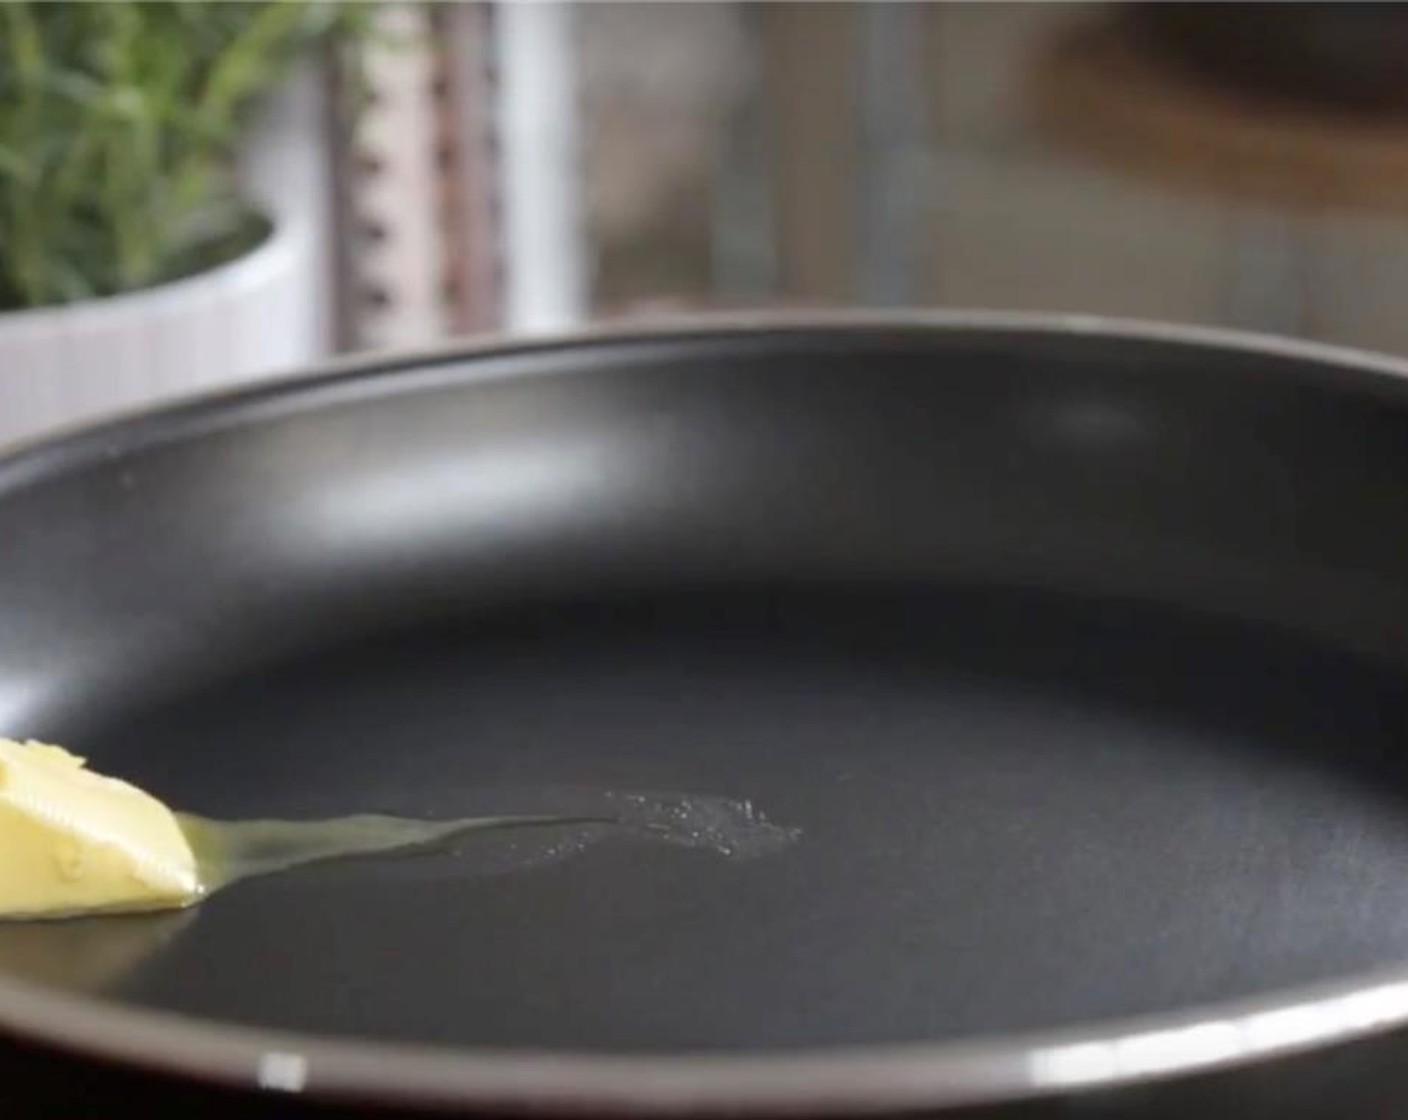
pixel 1015 813
pixel 1077 665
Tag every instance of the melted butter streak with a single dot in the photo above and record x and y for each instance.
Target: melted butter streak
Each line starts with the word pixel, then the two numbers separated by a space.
pixel 230 851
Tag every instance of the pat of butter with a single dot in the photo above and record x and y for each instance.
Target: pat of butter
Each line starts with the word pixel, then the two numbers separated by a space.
pixel 73 842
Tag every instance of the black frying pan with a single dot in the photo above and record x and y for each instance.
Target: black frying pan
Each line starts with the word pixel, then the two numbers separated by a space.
pixel 1077 653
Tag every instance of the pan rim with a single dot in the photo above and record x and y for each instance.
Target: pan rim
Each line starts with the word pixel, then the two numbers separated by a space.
pixel 815 1082
pixel 371 367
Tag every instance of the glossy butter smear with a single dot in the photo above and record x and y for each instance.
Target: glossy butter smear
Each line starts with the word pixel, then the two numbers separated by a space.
pixel 74 842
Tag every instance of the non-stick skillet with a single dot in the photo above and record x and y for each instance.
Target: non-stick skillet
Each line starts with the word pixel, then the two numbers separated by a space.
pixel 1077 652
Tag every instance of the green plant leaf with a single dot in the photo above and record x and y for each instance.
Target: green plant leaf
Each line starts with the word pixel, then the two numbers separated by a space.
pixel 118 121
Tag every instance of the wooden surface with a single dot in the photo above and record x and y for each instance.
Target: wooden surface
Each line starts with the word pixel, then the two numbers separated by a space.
pixel 1095 91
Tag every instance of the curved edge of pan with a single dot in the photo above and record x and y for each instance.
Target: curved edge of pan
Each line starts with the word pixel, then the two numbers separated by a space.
pixel 835 1081
pixel 831 1082
pixel 105 436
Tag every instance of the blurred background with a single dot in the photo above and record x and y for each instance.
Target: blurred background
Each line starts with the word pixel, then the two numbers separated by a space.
pixel 393 175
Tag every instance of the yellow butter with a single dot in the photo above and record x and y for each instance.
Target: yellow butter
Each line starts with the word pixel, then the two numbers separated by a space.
pixel 72 841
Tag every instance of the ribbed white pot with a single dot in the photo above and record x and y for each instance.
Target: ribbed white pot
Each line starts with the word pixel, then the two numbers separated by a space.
pixel 251 318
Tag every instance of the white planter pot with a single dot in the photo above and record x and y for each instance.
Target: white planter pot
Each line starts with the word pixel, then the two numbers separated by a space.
pixel 251 318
